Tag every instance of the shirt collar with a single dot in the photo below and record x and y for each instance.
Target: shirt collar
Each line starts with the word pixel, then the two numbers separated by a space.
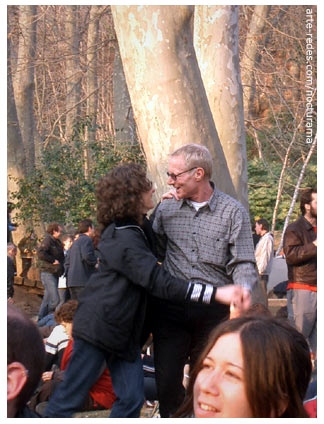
pixel 308 225
pixel 211 203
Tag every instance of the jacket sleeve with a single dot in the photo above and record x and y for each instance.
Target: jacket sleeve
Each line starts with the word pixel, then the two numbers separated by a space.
pixel 87 253
pixel 137 263
pixel 295 250
pixel 43 251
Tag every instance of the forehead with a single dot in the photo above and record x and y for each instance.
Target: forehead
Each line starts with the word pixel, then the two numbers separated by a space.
pixel 177 162
pixel 228 348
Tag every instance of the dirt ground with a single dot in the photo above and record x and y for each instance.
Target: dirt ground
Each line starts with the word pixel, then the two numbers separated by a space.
pixel 27 300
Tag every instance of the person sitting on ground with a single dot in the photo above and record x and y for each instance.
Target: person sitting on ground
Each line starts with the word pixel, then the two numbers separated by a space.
pixel 25 362
pixel 251 367
pixel 100 396
pixel 59 338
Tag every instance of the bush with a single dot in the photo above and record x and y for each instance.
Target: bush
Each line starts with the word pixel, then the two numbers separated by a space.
pixel 60 189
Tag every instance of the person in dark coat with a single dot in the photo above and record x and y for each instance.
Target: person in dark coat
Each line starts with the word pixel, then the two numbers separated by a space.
pixel 109 320
pixel 80 261
pixel 51 260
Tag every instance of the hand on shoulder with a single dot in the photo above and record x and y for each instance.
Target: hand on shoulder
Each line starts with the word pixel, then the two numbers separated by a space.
pixel 169 195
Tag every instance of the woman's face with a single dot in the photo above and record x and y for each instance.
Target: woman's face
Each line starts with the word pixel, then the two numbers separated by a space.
pixel 219 389
pixel 147 200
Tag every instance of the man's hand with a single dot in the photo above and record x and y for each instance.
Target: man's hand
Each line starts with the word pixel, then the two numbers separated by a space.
pixel 10 300
pixel 234 295
pixel 47 375
pixel 315 242
pixel 169 195
pixel 56 262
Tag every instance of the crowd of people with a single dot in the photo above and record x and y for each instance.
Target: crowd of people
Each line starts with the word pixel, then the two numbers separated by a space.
pixel 184 279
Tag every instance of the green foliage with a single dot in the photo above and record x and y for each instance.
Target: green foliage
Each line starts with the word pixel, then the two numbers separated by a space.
pixel 60 189
pixel 263 187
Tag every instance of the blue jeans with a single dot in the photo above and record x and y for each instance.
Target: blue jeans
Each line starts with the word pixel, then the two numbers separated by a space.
pixel 83 371
pixel 47 321
pixel 64 296
pixel 51 297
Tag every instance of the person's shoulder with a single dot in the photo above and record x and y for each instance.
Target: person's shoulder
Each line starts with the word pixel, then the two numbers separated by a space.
pixel 297 225
pixel 169 205
pixel 122 232
pixel 227 201
pixel 57 332
pixel 84 239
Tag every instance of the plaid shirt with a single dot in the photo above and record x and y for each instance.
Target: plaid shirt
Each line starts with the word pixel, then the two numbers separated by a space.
pixel 213 245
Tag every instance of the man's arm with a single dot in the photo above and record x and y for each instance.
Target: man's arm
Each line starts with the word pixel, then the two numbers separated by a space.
pixel 295 250
pixel 43 251
pixel 140 266
pixel 242 266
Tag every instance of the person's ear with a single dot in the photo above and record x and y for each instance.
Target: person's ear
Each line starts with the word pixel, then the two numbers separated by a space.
pixel 199 174
pixel 16 379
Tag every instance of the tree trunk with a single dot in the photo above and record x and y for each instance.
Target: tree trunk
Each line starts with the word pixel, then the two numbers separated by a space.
pixel 125 127
pixel 92 79
pixel 216 45
pixel 164 82
pixel 293 202
pixel 251 56
pixel 23 81
pixel 73 70
pixel 16 157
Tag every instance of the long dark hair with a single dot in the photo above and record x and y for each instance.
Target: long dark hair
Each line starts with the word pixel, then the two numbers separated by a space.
pixel 119 194
pixel 277 366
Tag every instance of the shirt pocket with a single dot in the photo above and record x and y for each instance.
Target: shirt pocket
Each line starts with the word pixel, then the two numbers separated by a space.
pixel 214 251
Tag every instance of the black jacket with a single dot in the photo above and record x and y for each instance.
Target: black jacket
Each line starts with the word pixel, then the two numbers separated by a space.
pixel 50 250
pixel 112 306
pixel 301 253
pixel 80 262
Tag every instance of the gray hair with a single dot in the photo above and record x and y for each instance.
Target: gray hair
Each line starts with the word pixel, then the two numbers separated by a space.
pixel 196 156
pixel 11 246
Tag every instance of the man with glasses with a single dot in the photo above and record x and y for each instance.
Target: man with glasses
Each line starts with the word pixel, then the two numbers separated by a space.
pixel 203 235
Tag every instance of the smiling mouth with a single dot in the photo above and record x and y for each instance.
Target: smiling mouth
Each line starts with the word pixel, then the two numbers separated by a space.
pixel 205 407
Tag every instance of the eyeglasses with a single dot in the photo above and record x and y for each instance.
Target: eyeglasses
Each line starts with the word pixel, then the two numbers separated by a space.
pixel 175 176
